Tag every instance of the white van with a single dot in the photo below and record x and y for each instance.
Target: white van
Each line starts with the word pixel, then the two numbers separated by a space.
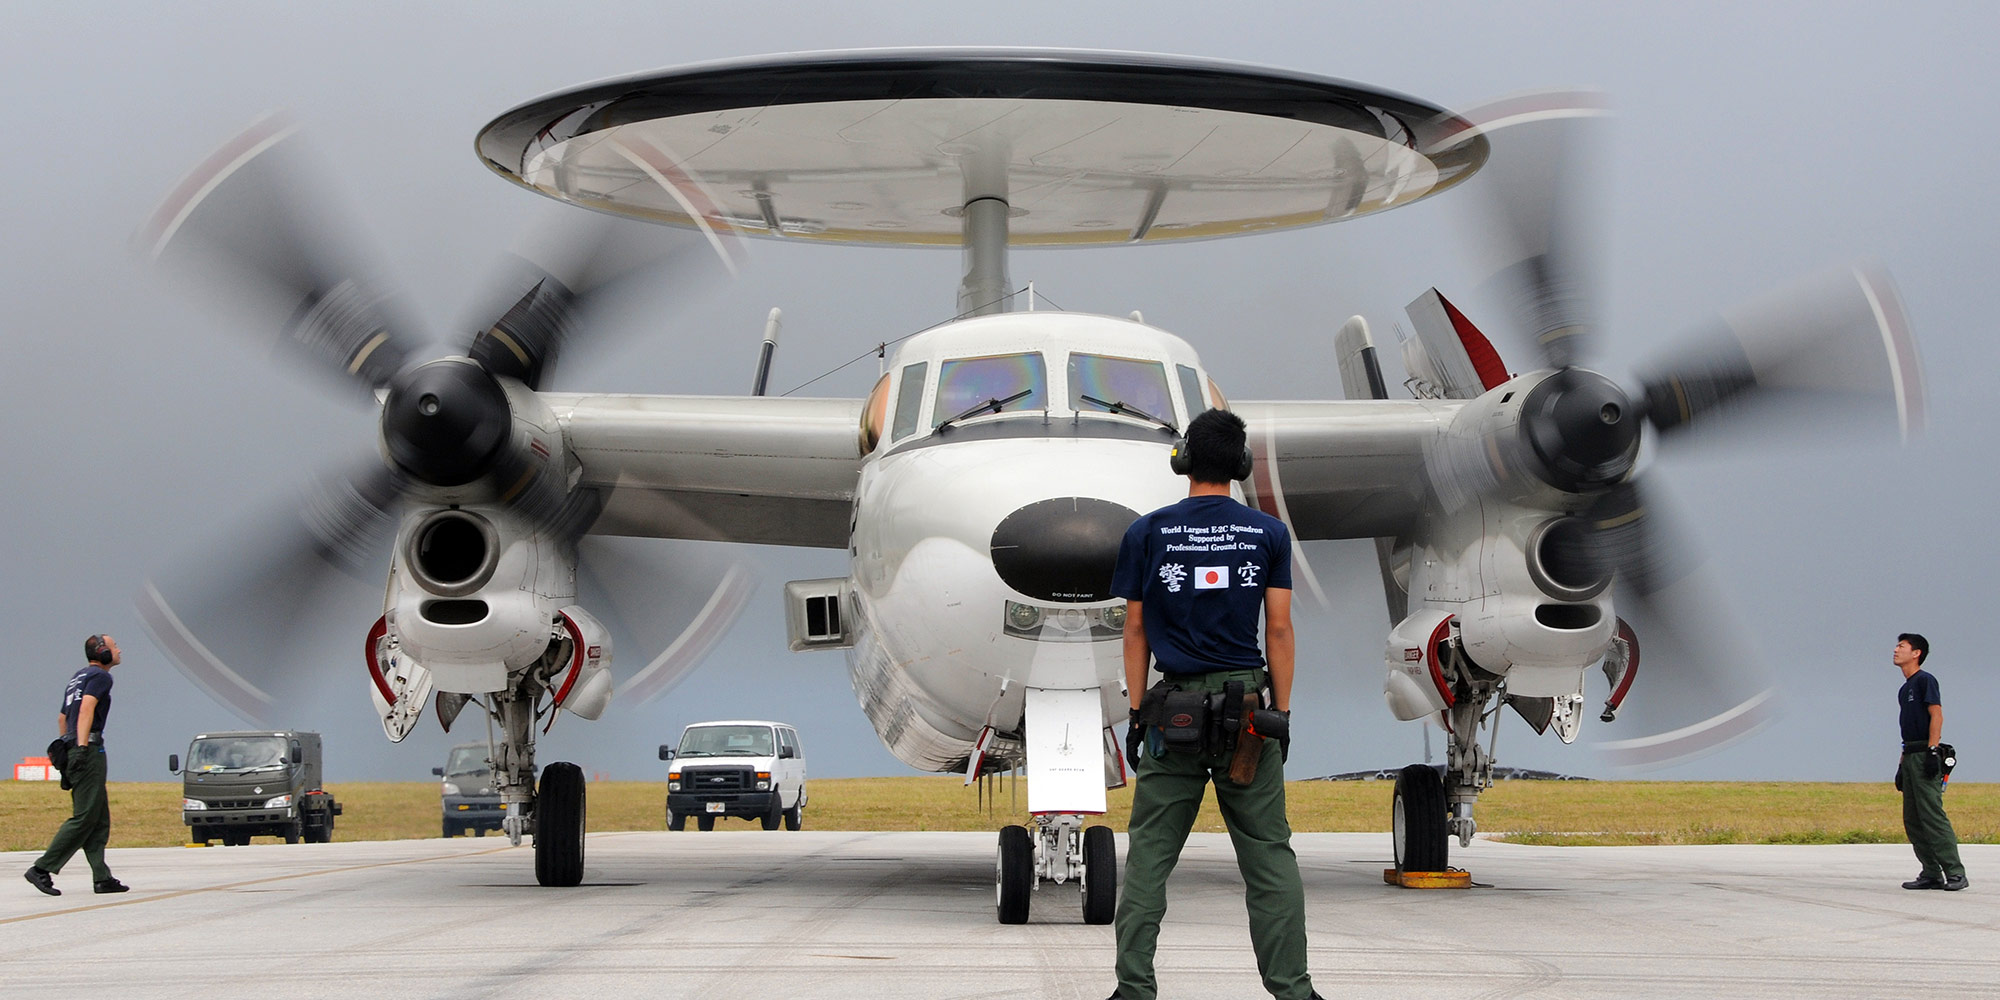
pixel 754 770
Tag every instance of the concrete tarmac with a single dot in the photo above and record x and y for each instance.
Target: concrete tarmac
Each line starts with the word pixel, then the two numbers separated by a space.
pixel 911 915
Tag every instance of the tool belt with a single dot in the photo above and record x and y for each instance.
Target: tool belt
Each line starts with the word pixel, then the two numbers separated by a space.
pixel 1210 723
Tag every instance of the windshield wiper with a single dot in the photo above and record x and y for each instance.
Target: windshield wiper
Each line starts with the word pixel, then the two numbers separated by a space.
pixel 1123 407
pixel 996 405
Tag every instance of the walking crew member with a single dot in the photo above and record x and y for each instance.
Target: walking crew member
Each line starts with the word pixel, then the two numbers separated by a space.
pixel 1198 578
pixel 1921 774
pixel 86 705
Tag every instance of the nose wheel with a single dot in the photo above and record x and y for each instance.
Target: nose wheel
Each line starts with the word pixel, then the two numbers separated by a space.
pixel 559 825
pixel 1059 850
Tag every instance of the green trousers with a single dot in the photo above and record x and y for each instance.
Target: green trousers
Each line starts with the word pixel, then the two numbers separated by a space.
pixel 1168 793
pixel 1924 821
pixel 88 827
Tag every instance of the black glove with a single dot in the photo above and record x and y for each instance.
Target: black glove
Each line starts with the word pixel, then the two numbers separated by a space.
pixel 1135 736
pixel 1272 724
pixel 1899 779
pixel 1933 763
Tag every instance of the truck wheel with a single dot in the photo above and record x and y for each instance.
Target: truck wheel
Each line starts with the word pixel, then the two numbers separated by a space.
pixel 676 821
pixel 559 821
pixel 704 822
pixel 294 831
pixel 775 816
pixel 234 839
pixel 1014 875
pixel 1100 875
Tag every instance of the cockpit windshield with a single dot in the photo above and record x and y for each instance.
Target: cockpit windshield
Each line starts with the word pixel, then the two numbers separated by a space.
pixel 237 753
pixel 1100 384
pixel 1001 383
pixel 726 741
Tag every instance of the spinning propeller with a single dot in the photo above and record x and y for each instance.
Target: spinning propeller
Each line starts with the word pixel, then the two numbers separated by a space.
pixel 1832 351
pixel 248 226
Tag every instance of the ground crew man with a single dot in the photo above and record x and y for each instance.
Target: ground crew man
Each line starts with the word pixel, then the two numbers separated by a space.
pixel 1920 774
pixel 85 707
pixel 1198 578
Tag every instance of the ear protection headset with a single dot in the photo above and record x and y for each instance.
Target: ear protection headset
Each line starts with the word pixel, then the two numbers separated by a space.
pixel 97 650
pixel 1182 460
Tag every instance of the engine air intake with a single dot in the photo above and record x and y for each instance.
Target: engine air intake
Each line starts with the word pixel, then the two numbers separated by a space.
pixel 1561 560
pixel 452 553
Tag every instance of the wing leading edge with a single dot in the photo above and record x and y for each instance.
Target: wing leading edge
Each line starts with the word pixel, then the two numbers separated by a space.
pixel 761 470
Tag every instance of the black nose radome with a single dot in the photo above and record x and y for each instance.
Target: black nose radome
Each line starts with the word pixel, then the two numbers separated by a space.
pixel 1061 550
pixel 445 421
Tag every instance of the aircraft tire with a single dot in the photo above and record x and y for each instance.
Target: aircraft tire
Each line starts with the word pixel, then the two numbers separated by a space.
pixel 1014 875
pixel 704 823
pixel 559 819
pixel 1419 821
pixel 1100 875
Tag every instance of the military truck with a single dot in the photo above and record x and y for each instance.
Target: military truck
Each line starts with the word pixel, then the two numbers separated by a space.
pixel 471 803
pixel 254 784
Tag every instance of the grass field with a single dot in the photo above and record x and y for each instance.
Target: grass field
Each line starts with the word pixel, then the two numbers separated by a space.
pixel 1581 813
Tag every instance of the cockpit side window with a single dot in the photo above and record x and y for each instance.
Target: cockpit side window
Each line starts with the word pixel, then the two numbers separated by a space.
pixel 1191 391
pixel 909 400
pixel 1101 384
pixel 1006 382
pixel 872 414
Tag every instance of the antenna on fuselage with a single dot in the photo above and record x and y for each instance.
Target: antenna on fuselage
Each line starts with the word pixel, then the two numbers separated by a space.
pixel 767 352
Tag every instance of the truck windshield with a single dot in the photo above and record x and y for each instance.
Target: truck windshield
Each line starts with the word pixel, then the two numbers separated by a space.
pixel 467 760
pixel 237 753
pixel 726 741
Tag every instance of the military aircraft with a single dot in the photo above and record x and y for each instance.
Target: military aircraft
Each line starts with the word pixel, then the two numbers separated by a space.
pixel 981 488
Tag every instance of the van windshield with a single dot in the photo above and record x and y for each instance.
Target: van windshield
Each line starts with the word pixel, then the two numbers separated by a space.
pixel 726 741
pixel 468 760
pixel 237 753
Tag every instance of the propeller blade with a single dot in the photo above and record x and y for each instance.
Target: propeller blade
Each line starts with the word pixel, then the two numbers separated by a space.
pixel 1835 346
pixel 240 628
pixel 1534 192
pixel 571 261
pixel 669 601
pixel 249 225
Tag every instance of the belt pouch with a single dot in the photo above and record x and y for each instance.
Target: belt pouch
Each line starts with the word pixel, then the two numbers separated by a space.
pixel 1183 718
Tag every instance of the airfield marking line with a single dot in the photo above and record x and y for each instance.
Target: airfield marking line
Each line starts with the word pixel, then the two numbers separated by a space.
pixel 238 885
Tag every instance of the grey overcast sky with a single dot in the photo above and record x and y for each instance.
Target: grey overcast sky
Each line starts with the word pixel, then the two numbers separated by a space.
pixel 1754 143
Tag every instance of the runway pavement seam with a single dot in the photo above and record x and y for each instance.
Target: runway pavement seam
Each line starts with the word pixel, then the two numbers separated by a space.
pixel 156 897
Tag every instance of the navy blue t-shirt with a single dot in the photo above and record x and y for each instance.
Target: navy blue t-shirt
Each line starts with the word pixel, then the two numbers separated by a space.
pixel 1914 701
pixel 90 680
pixel 1201 568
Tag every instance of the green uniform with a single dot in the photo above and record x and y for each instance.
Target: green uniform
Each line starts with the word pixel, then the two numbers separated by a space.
pixel 1924 821
pixel 1168 793
pixel 88 827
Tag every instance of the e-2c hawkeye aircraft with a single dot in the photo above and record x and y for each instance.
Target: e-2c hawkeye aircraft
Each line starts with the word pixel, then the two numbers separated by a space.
pixel 982 487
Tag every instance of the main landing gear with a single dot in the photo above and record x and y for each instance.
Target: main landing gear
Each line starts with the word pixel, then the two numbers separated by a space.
pixel 1061 849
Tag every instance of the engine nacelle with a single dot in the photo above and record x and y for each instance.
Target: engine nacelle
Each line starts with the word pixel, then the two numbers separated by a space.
pixel 473 594
pixel 1417 684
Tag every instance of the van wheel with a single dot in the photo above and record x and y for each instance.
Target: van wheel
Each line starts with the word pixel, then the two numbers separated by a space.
pixel 1014 875
pixel 1100 875
pixel 704 823
pixel 676 821
pixel 559 819
pixel 450 829
pixel 479 832
pixel 795 817
pixel 235 839
pixel 775 816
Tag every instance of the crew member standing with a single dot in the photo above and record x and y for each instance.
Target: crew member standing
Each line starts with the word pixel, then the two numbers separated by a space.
pixel 85 707
pixel 1920 773
pixel 1198 578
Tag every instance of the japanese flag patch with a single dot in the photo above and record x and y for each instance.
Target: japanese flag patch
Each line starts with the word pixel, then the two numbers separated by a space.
pixel 1211 577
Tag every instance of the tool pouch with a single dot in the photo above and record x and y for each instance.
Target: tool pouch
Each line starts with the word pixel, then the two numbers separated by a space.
pixel 1183 720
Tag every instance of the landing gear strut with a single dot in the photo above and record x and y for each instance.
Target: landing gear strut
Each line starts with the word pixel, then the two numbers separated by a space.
pixel 1060 849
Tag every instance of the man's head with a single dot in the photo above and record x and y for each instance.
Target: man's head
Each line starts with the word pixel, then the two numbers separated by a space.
pixel 103 650
pixel 1215 450
pixel 1911 649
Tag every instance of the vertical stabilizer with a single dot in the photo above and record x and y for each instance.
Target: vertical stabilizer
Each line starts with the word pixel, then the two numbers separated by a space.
pixel 1459 362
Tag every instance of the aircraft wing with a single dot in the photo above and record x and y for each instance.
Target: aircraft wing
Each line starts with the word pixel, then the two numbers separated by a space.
pixel 1342 468
pixel 759 469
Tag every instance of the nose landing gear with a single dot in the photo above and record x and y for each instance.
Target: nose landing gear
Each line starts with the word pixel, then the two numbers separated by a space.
pixel 1060 850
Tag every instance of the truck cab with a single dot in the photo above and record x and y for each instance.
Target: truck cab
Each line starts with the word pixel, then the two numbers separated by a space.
pixel 471 802
pixel 744 768
pixel 240 785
